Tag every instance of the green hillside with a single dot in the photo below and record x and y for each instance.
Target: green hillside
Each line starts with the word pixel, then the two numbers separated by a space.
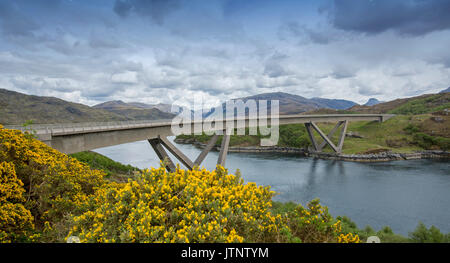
pixel 18 108
pixel 134 111
pixel 114 170
pixel 402 133
pixel 427 103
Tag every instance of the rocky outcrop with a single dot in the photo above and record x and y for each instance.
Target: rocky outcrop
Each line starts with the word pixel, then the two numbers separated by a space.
pixel 354 135
pixel 382 157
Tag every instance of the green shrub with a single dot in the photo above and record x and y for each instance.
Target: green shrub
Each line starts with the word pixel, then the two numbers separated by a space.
pixel 432 235
pixel 427 141
pixel 100 162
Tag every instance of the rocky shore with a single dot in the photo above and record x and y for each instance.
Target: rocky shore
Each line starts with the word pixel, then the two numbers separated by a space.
pixel 375 157
pixel 382 157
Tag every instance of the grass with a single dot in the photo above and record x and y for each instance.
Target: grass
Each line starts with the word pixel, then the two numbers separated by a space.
pixel 391 135
pixel 422 105
pixel 115 171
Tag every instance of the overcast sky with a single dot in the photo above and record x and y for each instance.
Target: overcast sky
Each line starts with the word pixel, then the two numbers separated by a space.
pixel 155 51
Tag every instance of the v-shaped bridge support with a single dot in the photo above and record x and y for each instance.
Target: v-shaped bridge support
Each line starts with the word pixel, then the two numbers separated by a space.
pixel 311 126
pixel 158 143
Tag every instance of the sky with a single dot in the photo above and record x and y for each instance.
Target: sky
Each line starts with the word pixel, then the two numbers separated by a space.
pixel 161 51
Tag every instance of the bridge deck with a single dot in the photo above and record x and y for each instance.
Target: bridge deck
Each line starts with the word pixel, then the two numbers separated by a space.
pixel 76 137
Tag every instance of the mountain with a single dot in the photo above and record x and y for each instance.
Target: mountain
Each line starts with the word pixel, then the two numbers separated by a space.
pixel 415 105
pixel 446 90
pixel 372 101
pixel 160 106
pixel 335 104
pixel 295 104
pixel 136 111
pixel 17 108
pixel 141 105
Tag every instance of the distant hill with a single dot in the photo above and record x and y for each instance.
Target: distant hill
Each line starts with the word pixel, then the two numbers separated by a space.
pixel 295 104
pixel 136 111
pixel 415 105
pixel 446 90
pixel 17 108
pixel 372 101
pixel 334 103
pixel 160 106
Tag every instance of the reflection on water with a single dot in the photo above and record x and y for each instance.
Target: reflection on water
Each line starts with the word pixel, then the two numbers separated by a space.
pixel 398 194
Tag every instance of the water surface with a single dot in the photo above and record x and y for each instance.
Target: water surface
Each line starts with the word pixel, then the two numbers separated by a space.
pixel 398 193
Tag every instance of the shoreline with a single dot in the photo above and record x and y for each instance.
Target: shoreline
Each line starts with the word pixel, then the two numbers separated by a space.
pixel 375 157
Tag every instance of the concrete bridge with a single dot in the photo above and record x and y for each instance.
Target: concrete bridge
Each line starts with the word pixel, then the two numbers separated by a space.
pixel 77 137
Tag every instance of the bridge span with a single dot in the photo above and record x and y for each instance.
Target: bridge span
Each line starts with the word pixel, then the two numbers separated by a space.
pixel 76 137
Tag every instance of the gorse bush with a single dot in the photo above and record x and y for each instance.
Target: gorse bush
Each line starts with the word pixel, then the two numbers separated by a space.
pixel 52 185
pixel 46 196
pixel 315 225
pixel 16 222
pixel 185 206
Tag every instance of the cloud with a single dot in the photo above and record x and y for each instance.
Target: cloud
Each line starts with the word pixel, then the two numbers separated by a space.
pixel 103 41
pixel 128 77
pixel 407 17
pixel 14 23
pixel 157 10
pixel 218 49
pixel 274 70
pixel 342 73
pixel 122 8
pixel 303 33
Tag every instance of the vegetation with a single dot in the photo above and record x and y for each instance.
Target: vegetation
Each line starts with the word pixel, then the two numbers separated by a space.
pixel 47 196
pixel 41 188
pixel 53 110
pixel 395 134
pixel 114 170
pixel 427 141
pixel 48 110
pixel 421 234
pixel 423 105
pixel 293 135
pixel 134 111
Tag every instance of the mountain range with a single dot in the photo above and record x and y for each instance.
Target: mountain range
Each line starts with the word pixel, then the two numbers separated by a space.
pixel 134 111
pixel 295 104
pixel 17 108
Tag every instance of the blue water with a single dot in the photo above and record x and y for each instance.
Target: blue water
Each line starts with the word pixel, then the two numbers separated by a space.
pixel 398 194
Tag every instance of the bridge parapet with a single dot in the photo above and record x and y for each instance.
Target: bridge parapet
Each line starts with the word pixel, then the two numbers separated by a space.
pixel 58 129
pixel 82 127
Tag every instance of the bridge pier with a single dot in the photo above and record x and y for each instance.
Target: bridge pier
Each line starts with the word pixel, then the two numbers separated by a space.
pixel 311 126
pixel 162 154
pixel 158 143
